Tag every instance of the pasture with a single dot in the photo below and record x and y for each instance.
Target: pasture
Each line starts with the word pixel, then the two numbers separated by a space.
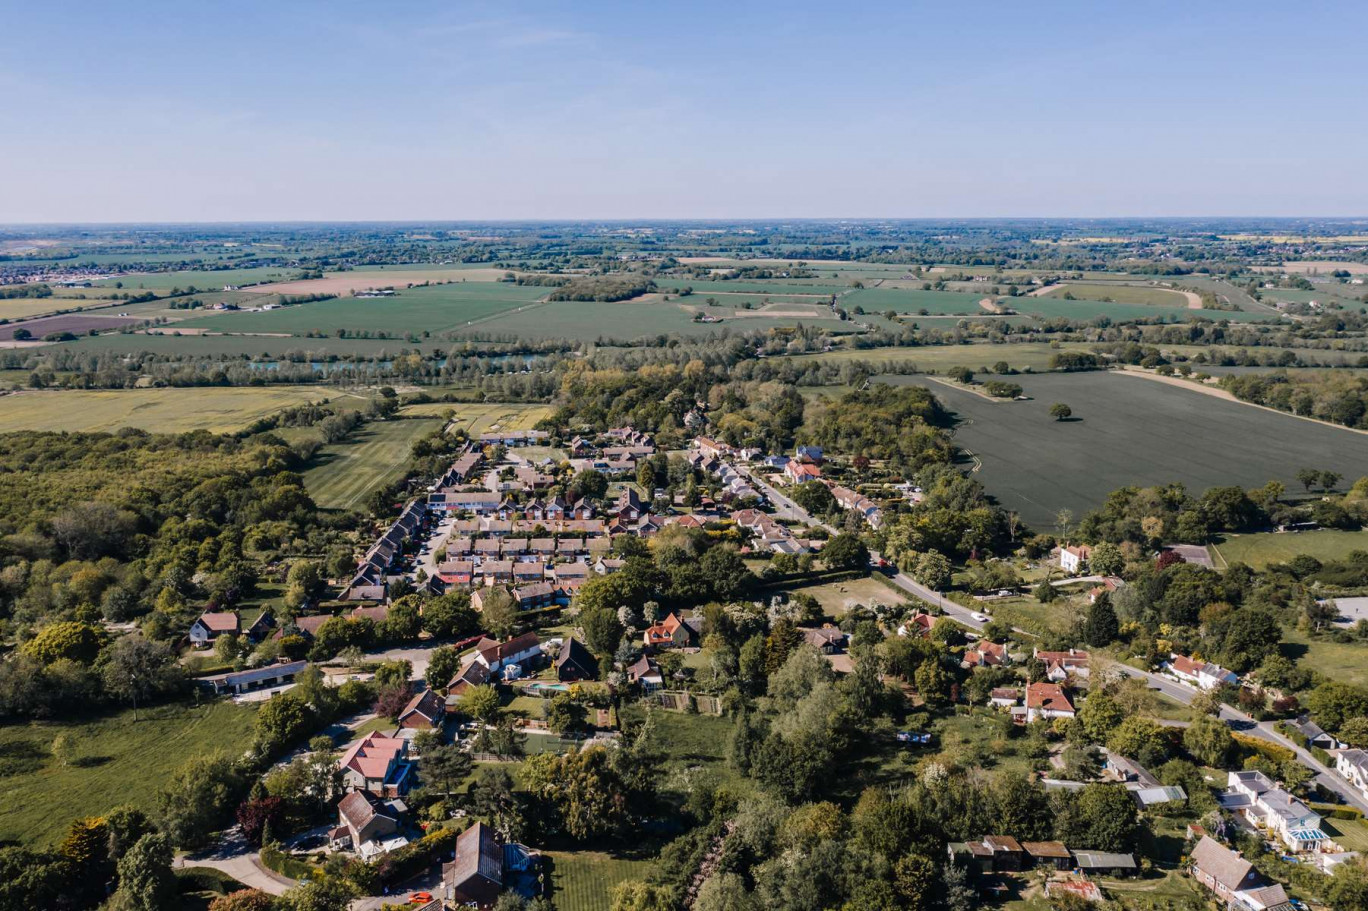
pixel 118 762
pixel 423 309
pixel 1259 550
pixel 343 474
pixel 1129 431
pixel 217 409
pixel 368 277
pixel 478 417
pixel 74 323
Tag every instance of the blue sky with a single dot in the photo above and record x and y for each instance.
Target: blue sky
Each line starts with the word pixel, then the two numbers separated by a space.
pixel 403 109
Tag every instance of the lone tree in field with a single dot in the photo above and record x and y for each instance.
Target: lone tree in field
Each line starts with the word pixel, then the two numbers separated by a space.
pixel 1060 412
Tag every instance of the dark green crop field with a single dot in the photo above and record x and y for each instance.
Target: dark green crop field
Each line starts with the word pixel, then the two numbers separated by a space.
pixel 1131 431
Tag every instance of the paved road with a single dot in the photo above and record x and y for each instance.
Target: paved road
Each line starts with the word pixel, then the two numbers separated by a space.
pixel 1245 724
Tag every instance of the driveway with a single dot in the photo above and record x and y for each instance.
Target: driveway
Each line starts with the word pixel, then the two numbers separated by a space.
pixel 232 855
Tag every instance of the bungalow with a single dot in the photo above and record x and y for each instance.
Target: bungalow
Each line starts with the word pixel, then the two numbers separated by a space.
pixel 1004 697
pixel 475 877
pixel 1315 735
pixel 363 819
pixel 672 632
pixel 575 662
pixel 424 710
pixel 1059 666
pixel 212 624
pixel 377 764
pixel 828 640
pixel 799 472
pixel 1234 879
pixel 1073 558
pixel 1353 765
pixel 1047 700
pixel 260 678
pixel 920 625
pixel 1252 795
pixel 1203 675
pixel 498 655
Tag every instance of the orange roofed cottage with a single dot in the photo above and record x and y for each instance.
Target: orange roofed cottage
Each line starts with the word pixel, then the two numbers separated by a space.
pixel 377 764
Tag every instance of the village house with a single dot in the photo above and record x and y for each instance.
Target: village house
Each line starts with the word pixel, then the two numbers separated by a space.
pixel 377 764
pixel 646 673
pixel 483 866
pixel 1073 558
pixel 258 678
pixel 1109 585
pixel 800 472
pixel 575 662
pixel 849 499
pixel 919 625
pixel 367 824
pixel 1353 765
pixel 992 853
pixel 1252 795
pixel 1234 879
pixel 1059 666
pixel 1046 701
pixel 672 632
pixel 828 639
pixel 1048 854
pixel 497 655
pixel 212 624
pixel 985 653
pixel 1203 675
pixel 425 710
pixel 812 455
pixel 471 673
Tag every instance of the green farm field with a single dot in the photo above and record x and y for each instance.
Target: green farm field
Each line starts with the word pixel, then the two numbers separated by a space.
pixel 245 347
pixel 940 358
pixel 1050 307
pixel 204 280
pixel 1346 662
pixel 170 410
pixel 1121 294
pixel 1131 431
pixel 480 417
pixel 424 309
pixel 1259 550
pixel 343 474
pixel 118 763
pixel 627 320
pixel 877 300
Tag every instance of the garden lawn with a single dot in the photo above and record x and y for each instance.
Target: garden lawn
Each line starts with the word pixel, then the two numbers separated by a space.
pixel 837 598
pixel 584 880
pixel 342 475
pixel 119 763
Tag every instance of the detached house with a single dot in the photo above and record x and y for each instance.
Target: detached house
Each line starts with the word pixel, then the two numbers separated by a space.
pixel 1073 558
pixel 575 662
pixel 366 824
pixel 424 710
pixel 497 655
pixel 1353 765
pixel 672 632
pixel 1059 666
pixel 1234 879
pixel 1203 675
pixel 986 654
pixel 799 472
pixel 1252 795
pixel 1047 700
pixel 212 624
pixel 377 764
pixel 475 877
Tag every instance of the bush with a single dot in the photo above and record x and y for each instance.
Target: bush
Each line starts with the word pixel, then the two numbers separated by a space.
pixel 416 857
